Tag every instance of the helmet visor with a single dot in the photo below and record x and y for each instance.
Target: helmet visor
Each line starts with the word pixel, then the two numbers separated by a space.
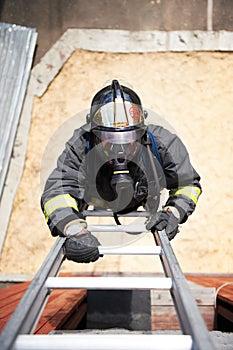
pixel 118 114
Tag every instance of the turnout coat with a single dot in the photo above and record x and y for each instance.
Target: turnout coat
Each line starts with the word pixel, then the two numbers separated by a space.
pixel 81 178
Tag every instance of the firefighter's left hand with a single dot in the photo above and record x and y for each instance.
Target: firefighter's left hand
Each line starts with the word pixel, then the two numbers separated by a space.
pixel 82 248
pixel 164 219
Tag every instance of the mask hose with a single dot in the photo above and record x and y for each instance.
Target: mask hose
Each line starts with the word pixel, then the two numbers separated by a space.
pixel 120 181
pixel 157 185
pixel 156 178
pixel 116 219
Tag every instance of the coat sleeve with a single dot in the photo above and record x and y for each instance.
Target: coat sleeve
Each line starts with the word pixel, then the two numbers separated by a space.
pixel 182 180
pixel 63 194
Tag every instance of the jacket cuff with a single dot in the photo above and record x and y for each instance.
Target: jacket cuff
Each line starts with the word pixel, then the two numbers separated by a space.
pixel 173 210
pixel 182 207
pixel 58 229
pixel 74 227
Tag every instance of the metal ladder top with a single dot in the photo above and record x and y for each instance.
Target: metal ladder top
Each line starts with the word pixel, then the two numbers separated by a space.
pixel 17 334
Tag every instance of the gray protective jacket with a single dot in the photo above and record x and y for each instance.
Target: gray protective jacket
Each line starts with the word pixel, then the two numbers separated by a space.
pixel 75 183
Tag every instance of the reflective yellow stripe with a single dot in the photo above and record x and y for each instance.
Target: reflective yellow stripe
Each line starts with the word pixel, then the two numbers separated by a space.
pixel 60 201
pixel 191 192
pixel 121 172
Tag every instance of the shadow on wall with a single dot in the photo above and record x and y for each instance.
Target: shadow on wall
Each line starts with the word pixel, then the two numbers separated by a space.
pixel 1 7
pixel 53 17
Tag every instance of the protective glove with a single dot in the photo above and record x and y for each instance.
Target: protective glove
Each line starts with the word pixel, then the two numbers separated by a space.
pixel 80 246
pixel 167 219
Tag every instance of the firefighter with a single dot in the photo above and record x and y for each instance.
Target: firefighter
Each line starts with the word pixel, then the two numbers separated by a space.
pixel 115 161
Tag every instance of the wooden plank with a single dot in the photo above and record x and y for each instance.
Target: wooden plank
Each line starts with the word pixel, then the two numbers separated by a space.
pixel 76 318
pixel 9 299
pixel 60 302
pixel 202 296
pixel 225 312
pixel 224 292
pixel 52 307
pixel 59 310
pixel 224 284
pixel 163 314
pixel 10 304
pixel 7 310
pixel 8 292
pixel 165 318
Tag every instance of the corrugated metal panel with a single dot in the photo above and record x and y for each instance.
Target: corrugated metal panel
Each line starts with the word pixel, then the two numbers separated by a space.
pixel 17 45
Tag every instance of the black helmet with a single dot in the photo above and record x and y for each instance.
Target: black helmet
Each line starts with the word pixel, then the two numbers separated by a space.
pixel 116 114
pixel 117 125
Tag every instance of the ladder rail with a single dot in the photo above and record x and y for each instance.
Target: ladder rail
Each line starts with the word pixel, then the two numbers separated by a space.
pixel 30 307
pixel 189 316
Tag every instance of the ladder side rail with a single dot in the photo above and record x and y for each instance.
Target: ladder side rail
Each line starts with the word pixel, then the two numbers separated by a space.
pixel 30 307
pixel 189 316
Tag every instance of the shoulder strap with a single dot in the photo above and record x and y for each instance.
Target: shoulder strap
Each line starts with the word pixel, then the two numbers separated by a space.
pixel 154 146
pixel 88 146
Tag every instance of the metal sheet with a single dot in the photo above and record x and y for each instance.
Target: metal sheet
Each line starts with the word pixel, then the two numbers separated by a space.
pixel 17 45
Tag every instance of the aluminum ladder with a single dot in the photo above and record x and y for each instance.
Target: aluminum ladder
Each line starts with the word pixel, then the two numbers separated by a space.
pixel 18 332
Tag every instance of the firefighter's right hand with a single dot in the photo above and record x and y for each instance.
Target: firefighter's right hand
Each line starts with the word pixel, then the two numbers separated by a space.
pixel 82 248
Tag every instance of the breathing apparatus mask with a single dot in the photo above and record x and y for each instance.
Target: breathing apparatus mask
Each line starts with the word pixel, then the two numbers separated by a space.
pixel 120 150
pixel 117 123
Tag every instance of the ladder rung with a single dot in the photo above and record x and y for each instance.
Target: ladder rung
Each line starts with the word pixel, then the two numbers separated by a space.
pixel 102 213
pixel 104 342
pixel 132 228
pixel 131 250
pixel 110 282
